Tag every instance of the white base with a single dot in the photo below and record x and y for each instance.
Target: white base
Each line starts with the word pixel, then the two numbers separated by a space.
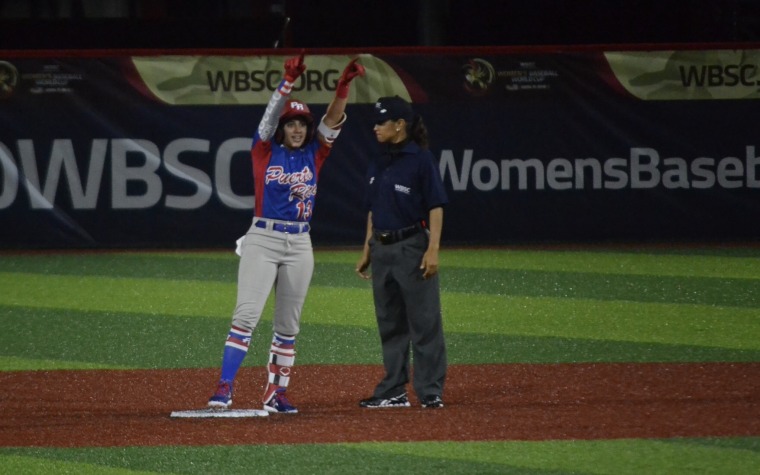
pixel 234 413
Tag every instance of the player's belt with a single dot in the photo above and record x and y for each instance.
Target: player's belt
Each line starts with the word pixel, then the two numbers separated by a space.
pixel 288 228
pixel 391 237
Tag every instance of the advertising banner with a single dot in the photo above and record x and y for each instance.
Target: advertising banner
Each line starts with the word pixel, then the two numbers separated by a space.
pixel 533 146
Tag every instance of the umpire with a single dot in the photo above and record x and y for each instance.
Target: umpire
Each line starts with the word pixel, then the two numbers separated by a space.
pixel 405 200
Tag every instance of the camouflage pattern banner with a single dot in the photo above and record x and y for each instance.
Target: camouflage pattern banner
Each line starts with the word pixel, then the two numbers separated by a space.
pixel 533 146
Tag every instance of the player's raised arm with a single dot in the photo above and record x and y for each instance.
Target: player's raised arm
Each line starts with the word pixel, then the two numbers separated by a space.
pixel 329 127
pixel 294 67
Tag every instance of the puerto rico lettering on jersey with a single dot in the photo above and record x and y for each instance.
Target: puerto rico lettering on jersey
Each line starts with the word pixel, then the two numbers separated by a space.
pixel 275 168
pixel 278 174
pixel 301 183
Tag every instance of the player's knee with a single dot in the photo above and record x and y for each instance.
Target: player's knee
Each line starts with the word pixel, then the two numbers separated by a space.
pixel 288 330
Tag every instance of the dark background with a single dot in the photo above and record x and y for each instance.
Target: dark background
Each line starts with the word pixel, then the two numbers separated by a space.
pixel 172 24
pixel 598 125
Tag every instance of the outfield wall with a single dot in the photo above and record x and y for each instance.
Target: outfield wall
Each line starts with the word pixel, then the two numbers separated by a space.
pixel 135 149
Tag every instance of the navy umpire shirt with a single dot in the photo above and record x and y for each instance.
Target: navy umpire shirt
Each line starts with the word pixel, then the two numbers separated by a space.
pixel 404 185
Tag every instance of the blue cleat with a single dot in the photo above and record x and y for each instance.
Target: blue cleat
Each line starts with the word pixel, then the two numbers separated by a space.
pixel 222 398
pixel 278 403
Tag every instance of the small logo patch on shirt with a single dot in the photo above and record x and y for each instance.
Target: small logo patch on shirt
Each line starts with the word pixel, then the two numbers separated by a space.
pixel 403 189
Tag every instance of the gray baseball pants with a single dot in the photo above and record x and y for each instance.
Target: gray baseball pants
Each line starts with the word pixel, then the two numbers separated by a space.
pixel 273 259
pixel 408 311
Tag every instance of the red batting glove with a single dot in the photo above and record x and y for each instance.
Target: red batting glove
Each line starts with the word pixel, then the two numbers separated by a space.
pixel 294 67
pixel 352 70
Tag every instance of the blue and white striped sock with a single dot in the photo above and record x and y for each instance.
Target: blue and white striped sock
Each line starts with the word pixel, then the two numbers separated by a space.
pixel 235 349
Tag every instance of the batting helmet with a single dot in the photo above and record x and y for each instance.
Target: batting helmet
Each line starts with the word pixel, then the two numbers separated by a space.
pixel 295 109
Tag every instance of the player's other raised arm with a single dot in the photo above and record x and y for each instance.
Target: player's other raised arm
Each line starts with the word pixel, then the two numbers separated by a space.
pixel 330 125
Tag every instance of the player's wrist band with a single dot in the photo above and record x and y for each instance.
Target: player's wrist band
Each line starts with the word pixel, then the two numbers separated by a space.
pixel 285 87
pixel 330 133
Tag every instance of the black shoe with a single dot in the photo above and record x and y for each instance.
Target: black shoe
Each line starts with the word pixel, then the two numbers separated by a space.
pixel 373 402
pixel 432 401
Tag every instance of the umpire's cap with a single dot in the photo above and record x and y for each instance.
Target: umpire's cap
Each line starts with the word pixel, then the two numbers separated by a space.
pixel 392 108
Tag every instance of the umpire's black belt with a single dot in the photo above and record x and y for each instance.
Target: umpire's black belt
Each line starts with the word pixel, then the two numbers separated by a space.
pixel 289 228
pixel 391 237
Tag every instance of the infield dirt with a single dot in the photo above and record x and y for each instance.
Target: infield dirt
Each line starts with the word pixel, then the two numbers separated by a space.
pixel 487 402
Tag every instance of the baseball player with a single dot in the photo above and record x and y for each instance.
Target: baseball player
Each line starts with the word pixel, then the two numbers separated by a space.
pixel 288 152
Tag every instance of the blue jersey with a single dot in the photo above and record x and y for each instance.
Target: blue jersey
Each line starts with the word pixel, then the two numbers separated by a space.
pixel 404 185
pixel 284 180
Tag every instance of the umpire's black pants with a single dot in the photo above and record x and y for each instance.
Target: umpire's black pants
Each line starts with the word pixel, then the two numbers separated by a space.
pixel 408 311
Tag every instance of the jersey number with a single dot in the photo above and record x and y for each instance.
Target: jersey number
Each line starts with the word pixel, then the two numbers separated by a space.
pixel 304 210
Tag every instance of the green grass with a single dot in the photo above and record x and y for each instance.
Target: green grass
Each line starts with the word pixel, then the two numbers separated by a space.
pixel 658 456
pixel 113 310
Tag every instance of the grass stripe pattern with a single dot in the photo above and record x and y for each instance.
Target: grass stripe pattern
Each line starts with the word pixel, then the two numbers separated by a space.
pixel 114 310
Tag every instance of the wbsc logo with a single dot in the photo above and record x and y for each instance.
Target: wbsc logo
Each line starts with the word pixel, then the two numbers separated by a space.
pixel 714 75
pixel 8 79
